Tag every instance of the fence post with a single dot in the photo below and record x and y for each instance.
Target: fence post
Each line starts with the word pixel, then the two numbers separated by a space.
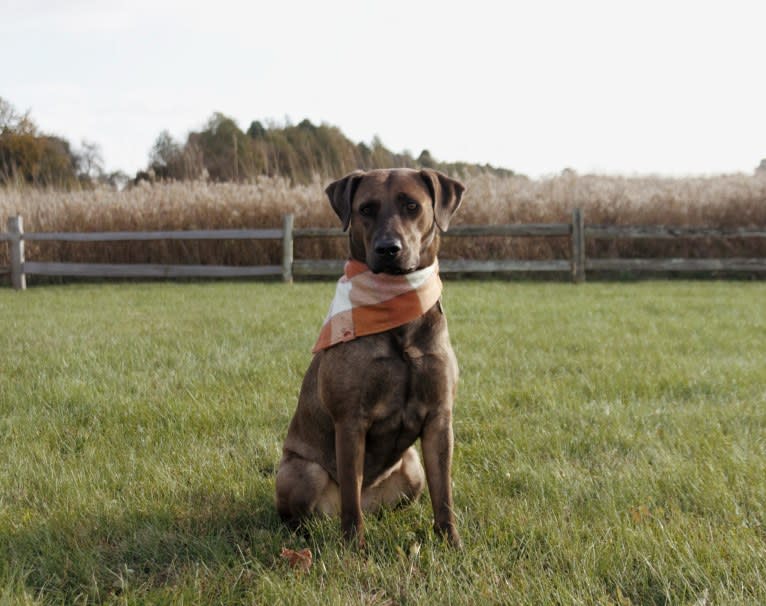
pixel 578 246
pixel 16 229
pixel 287 248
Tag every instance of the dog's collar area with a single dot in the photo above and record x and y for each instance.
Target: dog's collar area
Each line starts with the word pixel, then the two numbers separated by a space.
pixel 366 303
pixel 386 272
pixel 396 271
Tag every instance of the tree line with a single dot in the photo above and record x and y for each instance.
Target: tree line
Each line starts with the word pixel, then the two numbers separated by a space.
pixel 221 151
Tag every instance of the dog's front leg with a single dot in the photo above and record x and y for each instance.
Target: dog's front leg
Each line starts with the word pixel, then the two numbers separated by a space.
pixel 349 453
pixel 437 441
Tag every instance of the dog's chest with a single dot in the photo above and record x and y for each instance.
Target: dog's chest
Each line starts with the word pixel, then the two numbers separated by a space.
pixel 410 395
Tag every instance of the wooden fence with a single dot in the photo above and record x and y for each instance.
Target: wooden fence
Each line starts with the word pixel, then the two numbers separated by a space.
pixel 576 266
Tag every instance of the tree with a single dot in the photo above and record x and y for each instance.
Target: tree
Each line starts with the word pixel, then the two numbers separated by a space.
pixel 227 152
pixel 165 151
pixel 8 116
pixel 27 156
pixel 91 161
pixel 256 130
pixel 166 157
pixel 14 122
pixel 426 160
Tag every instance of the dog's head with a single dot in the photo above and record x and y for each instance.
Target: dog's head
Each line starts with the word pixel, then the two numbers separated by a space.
pixel 393 215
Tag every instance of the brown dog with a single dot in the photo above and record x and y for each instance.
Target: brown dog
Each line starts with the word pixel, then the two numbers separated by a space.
pixel 364 402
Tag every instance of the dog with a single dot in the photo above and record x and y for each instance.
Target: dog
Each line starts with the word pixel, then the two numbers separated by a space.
pixel 368 395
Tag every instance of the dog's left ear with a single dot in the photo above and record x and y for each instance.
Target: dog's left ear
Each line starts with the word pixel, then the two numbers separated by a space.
pixel 446 193
pixel 341 194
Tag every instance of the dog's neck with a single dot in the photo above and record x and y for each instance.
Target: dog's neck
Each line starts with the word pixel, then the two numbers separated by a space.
pixel 366 303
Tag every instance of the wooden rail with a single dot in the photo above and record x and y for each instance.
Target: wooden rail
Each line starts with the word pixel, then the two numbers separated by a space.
pixel 668 233
pixel 124 270
pixel 128 236
pixel 576 265
pixel 327 267
pixel 624 232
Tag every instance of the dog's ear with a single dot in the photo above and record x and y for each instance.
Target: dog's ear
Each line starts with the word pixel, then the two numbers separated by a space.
pixel 341 194
pixel 446 193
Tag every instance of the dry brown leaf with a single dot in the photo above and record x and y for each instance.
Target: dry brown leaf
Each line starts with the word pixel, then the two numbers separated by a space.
pixel 640 513
pixel 298 560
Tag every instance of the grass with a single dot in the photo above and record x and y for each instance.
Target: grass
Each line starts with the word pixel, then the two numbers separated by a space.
pixel 611 446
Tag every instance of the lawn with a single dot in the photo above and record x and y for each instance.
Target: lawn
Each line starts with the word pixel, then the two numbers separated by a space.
pixel 610 448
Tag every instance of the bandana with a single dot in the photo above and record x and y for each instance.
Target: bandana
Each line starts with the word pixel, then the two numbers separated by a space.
pixel 366 303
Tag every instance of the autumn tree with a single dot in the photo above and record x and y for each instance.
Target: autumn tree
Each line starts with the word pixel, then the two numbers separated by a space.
pixel 30 157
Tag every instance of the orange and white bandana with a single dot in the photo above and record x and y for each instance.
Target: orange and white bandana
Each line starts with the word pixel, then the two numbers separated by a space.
pixel 366 303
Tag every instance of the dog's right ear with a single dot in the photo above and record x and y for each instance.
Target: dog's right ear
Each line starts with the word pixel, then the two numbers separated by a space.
pixel 341 194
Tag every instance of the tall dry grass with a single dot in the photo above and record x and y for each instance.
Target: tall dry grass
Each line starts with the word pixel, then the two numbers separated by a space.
pixel 725 201
pixel 722 201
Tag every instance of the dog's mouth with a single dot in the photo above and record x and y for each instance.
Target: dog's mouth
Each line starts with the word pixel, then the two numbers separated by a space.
pixel 390 266
pixel 393 270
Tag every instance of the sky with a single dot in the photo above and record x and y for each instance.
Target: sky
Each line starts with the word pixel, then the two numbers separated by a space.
pixel 670 87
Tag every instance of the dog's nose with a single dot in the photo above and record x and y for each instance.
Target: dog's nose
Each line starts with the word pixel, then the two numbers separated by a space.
pixel 388 247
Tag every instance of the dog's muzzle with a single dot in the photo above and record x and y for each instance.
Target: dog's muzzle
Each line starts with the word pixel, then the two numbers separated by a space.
pixel 386 256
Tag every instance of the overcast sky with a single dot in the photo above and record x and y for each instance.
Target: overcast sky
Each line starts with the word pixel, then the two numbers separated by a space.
pixel 665 87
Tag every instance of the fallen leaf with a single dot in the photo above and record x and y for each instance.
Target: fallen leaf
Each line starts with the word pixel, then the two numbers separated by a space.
pixel 640 513
pixel 298 560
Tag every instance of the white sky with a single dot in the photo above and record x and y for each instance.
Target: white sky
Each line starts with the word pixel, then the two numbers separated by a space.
pixel 670 87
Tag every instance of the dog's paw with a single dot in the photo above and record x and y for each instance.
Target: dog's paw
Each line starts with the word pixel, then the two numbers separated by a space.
pixel 450 534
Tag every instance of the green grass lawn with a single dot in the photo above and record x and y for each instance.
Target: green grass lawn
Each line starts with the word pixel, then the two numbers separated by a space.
pixel 610 448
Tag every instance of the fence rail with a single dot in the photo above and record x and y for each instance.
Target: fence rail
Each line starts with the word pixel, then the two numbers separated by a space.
pixel 128 236
pixel 577 265
pixel 660 232
pixel 137 270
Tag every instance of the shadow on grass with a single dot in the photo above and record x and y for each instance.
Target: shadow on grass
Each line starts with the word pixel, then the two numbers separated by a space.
pixel 76 556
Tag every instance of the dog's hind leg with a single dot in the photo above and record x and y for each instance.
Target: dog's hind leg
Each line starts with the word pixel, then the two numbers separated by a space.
pixel 304 488
pixel 402 483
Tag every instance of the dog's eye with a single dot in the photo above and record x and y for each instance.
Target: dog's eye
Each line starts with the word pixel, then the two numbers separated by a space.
pixel 368 210
pixel 412 207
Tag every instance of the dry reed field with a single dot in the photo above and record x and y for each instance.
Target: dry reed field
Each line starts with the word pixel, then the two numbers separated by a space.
pixel 717 202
